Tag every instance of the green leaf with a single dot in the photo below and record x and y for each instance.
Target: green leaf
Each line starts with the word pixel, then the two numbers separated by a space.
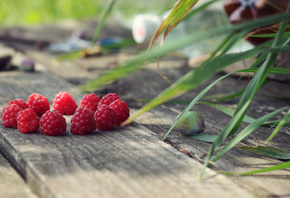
pixel 266 151
pixel 204 137
pixel 197 76
pixel 248 95
pixel 223 97
pixel 192 103
pixel 272 168
pixel 101 23
pixel 178 12
pixel 244 133
pixel 228 111
pixel 135 64
pixel 285 121
pixel 274 70
pixel 263 170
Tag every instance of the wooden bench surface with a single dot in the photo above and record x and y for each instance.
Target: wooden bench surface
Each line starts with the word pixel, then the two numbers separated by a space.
pixel 132 161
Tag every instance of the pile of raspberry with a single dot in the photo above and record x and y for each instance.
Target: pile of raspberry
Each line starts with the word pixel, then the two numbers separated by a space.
pixel 92 114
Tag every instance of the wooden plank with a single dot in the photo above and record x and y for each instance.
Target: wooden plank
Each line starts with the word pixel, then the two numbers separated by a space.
pixel 157 121
pixel 128 162
pixel 11 183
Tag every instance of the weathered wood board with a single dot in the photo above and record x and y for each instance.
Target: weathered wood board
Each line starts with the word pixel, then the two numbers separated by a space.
pixel 128 162
pixel 134 161
pixel 11 183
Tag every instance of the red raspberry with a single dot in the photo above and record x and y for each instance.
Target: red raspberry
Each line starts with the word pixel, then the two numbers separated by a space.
pixel 106 118
pixel 38 103
pixel 83 121
pixel 27 121
pixel 52 123
pixel 121 109
pixel 90 101
pixel 108 99
pixel 64 103
pixel 21 103
pixel 9 115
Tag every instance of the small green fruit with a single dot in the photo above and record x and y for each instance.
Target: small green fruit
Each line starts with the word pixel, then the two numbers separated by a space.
pixel 191 123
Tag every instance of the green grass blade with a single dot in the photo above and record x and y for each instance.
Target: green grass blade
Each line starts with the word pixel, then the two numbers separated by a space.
pixel 70 56
pixel 222 136
pixel 272 168
pixel 274 70
pixel 223 97
pixel 228 111
pixel 178 12
pixel 262 73
pixel 199 75
pixel 104 16
pixel 244 133
pixel 267 151
pixel 263 170
pixel 126 69
pixel 198 9
pixel 247 96
pixel 204 137
pixel 193 102
pixel 285 121
pixel 286 35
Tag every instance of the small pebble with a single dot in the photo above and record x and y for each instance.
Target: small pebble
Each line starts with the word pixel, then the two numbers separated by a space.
pixel 191 124
pixel 28 65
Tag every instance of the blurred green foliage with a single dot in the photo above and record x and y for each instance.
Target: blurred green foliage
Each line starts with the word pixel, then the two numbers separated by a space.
pixel 29 12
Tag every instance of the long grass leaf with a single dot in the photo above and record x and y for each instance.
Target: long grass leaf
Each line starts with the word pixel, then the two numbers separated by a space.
pixel 274 70
pixel 285 121
pixel 204 137
pixel 248 95
pixel 193 102
pixel 244 133
pixel 104 17
pixel 263 170
pixel 178 12
pixel 126 69
pixel 228 111
pixel 261 74
pixel 268 151
pixel 199 75
pixel 223 97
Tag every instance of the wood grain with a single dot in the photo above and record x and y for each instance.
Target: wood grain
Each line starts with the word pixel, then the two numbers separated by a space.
pixel 11 184
pixel 134 161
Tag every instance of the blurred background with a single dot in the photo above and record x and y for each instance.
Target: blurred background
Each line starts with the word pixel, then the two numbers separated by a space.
pixel 32 12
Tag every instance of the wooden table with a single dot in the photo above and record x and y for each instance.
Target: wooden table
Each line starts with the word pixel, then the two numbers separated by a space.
pixel 132 161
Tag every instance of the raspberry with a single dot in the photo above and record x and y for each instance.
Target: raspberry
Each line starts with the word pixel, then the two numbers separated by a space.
pixel 52 123
pixel 27 121
pixel 90 101
pixel 9 115
pixel 21 103
pixel 83 121
pixel 38 103
pixel 64 103
pixel 108 99
pixel 106 118
pixel 121 109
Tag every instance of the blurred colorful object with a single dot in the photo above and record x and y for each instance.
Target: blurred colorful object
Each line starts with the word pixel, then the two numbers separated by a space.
pixel 245 10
